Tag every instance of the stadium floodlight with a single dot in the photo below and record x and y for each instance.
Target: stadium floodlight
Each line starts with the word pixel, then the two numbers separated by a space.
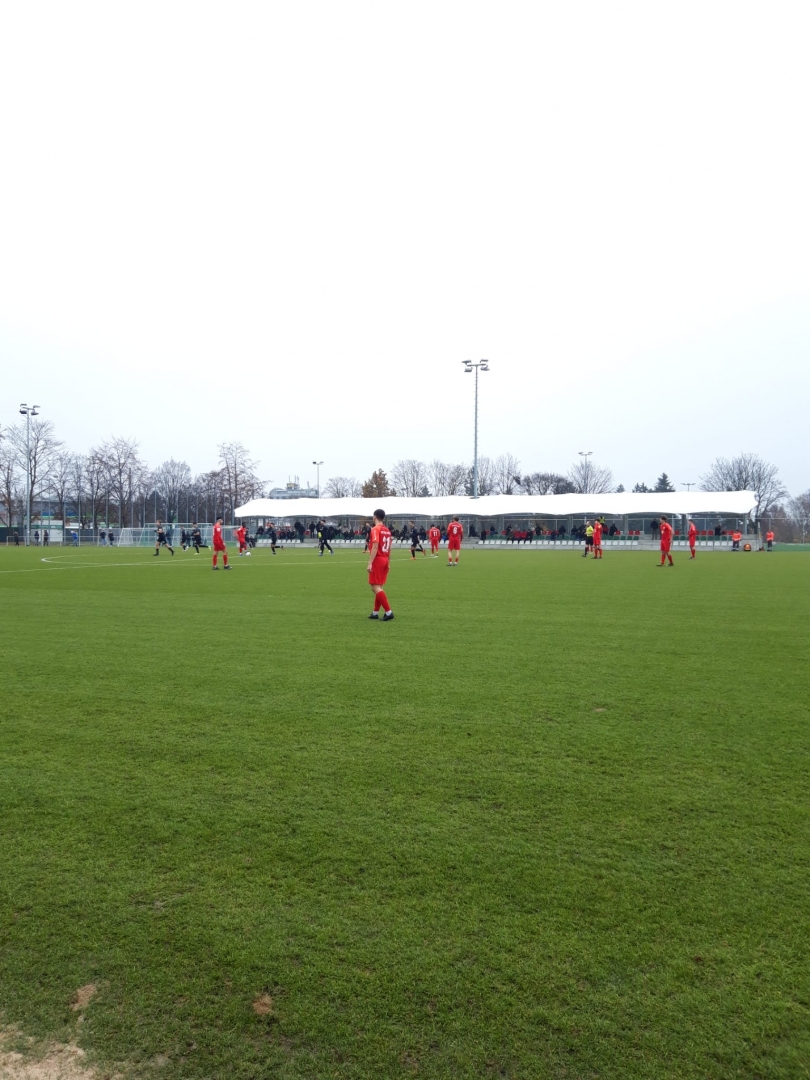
pixel 28 411
pixel 690 485
pixel 317 465
pixel 482 365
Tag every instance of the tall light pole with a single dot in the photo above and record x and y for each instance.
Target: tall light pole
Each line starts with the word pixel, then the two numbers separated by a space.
pixel 28 411
pixel 468 367
pixel 689 486
pixel 317 465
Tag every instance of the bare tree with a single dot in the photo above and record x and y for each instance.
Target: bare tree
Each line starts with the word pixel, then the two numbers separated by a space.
pixel 342 487
pixel 486 478
pixel 507 474
pixel 798 513
pixel 171 481
pixel 545 483
pixel 126 473
pixel 747 472
pixel 409 478
pixel 238 474
pixel 34 454
pixel 444 478
pixel 10 475
pixel 60 476
pixel 587 478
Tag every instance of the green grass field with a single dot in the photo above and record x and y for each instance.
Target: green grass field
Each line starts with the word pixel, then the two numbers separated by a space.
pixel 550 822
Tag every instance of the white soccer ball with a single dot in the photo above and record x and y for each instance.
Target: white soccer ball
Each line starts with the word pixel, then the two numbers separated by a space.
pixel 247 553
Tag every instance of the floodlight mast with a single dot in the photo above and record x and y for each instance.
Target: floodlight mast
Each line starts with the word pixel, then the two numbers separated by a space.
pixel 28 411
pixel 468 367
pixel 317 465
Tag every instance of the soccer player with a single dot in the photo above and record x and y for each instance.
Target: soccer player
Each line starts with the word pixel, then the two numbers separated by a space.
pixel 240 533
pixel 588 539
pixel 271 532
pixel 416 543
pixel 219 545
pixel 691 536
pixel 379 557
pixel 160 538
pixel 769 539
pixel 666 541
pixel 323 540
pixel 196 537
pixel 455 534
pixel 597 538
pixel 435 538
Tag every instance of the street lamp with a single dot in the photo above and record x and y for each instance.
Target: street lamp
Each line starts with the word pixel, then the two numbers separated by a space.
pixel 469 366
pixel 28 411
pixel 317 465
pixel 690 485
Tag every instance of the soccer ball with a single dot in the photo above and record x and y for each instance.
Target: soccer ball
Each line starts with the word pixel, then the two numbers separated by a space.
pixel 247 553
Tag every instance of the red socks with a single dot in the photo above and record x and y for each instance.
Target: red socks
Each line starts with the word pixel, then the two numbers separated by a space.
pixel 376 601
pixel 381 601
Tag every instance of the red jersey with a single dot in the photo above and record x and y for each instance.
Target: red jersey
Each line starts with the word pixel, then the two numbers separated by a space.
pixel 769 536
pixel 381 536
pixel 736 536
pixel 240 534
pixel 666 534
pixel 454 530
pixel 217 536
pixel 434 535
pixel 692 533
pixel 597 533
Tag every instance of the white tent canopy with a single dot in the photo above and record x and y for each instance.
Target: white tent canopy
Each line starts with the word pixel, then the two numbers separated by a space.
pixel 613 504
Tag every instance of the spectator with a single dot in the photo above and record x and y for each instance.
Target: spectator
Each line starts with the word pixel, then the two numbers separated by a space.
pixel 654 526
pixel 46 540
pixel 36 538
pixel 111 537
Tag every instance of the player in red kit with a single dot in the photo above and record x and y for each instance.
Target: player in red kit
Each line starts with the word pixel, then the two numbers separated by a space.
pixel 379 557
pixel 455 534
pixel 241 533
pixel 218 544
pixel 597 539
pixel 691 536
pixel 666 541
pixel 435 538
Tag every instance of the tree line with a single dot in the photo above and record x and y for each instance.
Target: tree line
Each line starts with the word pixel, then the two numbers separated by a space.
pixel 112 483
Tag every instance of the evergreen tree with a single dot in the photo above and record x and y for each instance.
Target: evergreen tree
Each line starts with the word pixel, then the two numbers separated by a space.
pixel 376 487
pixel 641 487
pixel 663 483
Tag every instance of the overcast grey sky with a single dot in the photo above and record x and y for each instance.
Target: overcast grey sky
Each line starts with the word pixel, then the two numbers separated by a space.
pixel 290 223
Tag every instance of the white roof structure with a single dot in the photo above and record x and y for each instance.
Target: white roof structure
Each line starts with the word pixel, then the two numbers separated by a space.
pixel 613 504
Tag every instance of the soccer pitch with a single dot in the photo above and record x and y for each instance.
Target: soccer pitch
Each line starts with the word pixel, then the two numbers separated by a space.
pixel 552 821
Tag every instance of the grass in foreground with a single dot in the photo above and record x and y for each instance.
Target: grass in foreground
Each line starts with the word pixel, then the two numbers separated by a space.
pixel 550 822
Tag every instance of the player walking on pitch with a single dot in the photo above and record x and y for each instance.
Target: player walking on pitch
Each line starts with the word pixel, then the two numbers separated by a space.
pixel 666 541
pixel 160 538
pixel 416 543
pixel 691 535
pixel 379 557
pixel 240 533
pixel 597 539
pixel 218 544
pixel 323 540
pixel 455 534
pixel 435 538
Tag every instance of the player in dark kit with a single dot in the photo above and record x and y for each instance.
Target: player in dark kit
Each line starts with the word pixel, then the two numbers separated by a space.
pixel 160 538
pixel 196 537
pixel 271 532
pixel 416 543
pixel 379 557
pixel 323 542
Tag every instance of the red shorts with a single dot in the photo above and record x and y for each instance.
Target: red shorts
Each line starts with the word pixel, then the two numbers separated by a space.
pixel 220 547
pixel 378 574
pixel 665 547
pixel 454 545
